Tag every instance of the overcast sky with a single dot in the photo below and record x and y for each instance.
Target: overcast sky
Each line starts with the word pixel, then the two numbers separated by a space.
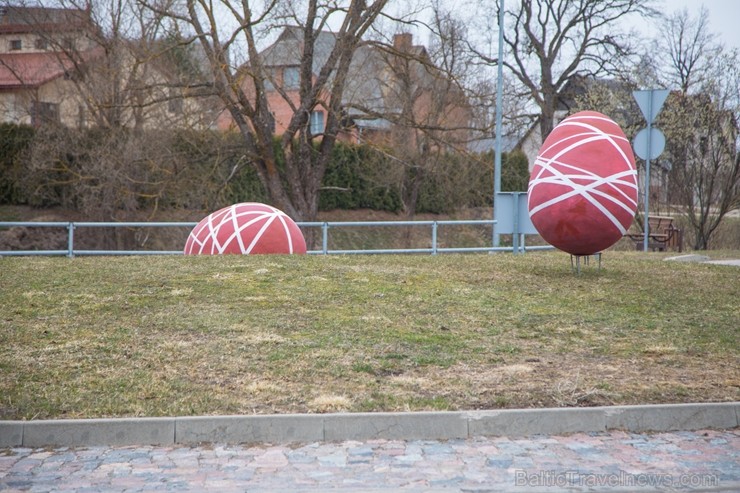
pixel 724 16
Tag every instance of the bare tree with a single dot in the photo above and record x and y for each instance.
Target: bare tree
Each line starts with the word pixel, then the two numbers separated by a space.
pixel 119 175
pixel 700 121
pixel 228 29
pixel 691 48
pixel 703 147
pixel 106 150
pixel 114 59
pixel 424 102
pixel 550 42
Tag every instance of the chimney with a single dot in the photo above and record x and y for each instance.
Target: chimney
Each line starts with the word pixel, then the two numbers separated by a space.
pixel 402 42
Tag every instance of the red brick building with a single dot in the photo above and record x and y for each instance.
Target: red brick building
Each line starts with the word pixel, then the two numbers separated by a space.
pixel 387 88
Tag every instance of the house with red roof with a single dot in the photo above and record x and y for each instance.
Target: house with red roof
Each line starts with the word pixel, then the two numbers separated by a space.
pixel 57 67
pixel 41 49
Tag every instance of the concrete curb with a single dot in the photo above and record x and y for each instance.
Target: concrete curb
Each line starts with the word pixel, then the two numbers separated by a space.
pixel 294 428
pixel 702 259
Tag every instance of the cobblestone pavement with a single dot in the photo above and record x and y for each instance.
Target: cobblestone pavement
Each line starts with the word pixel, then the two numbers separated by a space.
pixel 685 461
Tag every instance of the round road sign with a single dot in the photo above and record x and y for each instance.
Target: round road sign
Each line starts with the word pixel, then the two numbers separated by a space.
pixel 656 140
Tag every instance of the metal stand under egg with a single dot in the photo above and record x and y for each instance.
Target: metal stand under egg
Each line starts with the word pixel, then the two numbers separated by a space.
pixel 576 266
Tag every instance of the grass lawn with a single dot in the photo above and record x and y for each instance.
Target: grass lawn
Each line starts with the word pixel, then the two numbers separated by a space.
pixel 165 336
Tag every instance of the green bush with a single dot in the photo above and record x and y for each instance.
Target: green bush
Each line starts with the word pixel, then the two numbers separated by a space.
pixel 514 172
pixel 245 186
pixel 451 184
pixel 352 180
pixel 202 170
pixel 348 182
pixel 467 181
pixel 216 172
pixel 14 139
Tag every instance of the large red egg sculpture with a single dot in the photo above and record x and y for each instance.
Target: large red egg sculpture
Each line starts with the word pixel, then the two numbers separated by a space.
pixel 246 228
pixel 583 187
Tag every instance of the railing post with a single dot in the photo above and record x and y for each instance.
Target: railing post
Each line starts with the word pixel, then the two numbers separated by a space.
pixel 71 240
pixel 434 238
pixel 325 238
pixel 515 232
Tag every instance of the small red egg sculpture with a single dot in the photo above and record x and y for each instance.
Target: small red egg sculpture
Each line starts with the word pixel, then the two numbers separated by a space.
pixel 583 187
pixel 248 228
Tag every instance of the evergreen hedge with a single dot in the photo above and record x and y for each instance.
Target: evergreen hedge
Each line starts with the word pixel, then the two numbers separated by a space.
pixel 14 140
pixel 204 170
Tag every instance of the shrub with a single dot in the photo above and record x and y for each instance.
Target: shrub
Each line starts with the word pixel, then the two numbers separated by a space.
pixel 14 140
pixel 349 181
pixel 104 173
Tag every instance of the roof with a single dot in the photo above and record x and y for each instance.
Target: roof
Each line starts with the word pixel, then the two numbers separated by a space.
pixel 30 70
pixel 17 19
pixel 486 144
pixel 287 50
pixel 368 93
pixel 580 85
pixel 372 84
pixel 362 85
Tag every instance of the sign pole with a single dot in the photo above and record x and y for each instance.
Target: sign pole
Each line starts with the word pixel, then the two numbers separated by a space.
pixel 646 224
pixel 649 143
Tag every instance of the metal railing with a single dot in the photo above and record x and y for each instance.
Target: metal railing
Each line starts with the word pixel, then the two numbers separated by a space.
pixel 325 227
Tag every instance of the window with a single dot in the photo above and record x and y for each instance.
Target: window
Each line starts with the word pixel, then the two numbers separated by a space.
pixel 317 122
pixel 68 44
pixel 16 45
pixel 291 78
pixel 41 44
pixel 42 112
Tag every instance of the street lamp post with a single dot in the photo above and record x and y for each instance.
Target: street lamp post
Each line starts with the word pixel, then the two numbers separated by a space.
pixel 499 117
